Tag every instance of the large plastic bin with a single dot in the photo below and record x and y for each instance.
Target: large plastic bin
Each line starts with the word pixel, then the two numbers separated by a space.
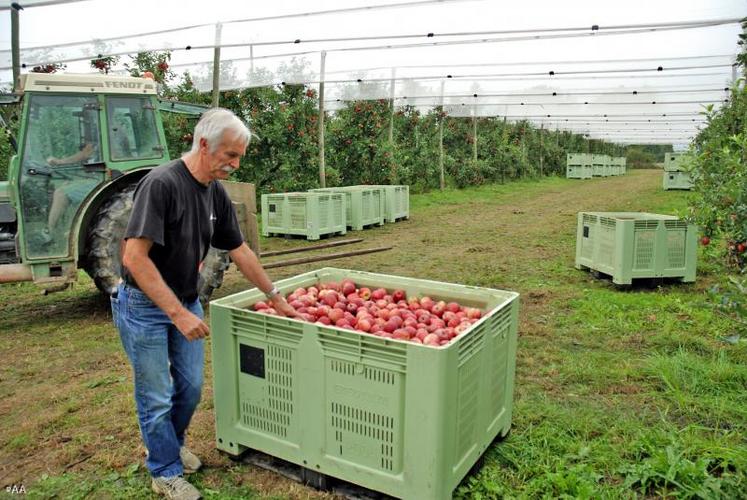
pixel 578 166
pixel 599 165
pixel 675 175
pixel 396 201
pixel 673 162
pixel 393 416
pixel 307 214
pixel 364 205
pixel 630 245
pixel 677 180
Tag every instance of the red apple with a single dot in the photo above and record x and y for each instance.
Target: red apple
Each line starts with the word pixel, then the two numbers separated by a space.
pixel 260 305
pixel 348 287
pixel 473 313
pixel 378 294
pixel 426 303
pixel 431 339
pixel 400 334
pixel 390 326
pixel 335 314
pixel 398 295
pixel 439 308
pixel 453 307
pixel 364 293
pixel 324 320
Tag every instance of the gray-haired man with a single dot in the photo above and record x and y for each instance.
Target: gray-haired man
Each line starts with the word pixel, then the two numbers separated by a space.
pixel 179 211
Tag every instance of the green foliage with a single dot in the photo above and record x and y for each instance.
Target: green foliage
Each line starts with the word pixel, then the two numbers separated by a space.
pixel 157 63
pixel 8 133
pixel 717 167
pixel 358 146
pixel 639 157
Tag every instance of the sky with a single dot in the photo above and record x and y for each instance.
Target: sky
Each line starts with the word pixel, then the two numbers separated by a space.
pixel 601 68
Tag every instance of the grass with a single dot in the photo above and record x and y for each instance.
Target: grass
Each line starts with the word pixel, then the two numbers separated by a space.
pixel 619 393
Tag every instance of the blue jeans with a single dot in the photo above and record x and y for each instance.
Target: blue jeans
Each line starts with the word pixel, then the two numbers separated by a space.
pixel 168 375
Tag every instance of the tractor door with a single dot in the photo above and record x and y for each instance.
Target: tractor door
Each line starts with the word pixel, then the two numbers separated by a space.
pixel 61 164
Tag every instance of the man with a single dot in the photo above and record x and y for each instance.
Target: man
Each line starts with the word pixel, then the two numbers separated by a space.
pixel 179 210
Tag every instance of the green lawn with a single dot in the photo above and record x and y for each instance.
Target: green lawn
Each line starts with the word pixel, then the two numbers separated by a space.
pixel 619 393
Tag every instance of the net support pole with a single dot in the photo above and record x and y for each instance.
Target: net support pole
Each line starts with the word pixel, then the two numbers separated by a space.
pixel 474 134
pixel 216 66
pixel 542 159
pixel 442 119
pixel 393 174
pixel 320 139
pixel 391 107
pixel 15 45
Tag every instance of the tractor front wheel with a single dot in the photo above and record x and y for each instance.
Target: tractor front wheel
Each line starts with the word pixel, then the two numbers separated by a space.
pixel 103 248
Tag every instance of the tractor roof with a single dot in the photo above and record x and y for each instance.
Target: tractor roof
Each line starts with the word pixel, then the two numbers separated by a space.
pixel 97 84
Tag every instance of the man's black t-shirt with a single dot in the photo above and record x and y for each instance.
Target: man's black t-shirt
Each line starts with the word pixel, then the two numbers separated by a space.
pixel 182 217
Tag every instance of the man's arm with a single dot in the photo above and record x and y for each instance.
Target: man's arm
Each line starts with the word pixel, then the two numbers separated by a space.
pixel 74 158
pixel 249 265
pixel 150 281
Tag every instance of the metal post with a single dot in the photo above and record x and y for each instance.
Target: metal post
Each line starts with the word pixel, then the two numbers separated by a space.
pixel 14 44
pixel 320 140
pixel 251 60
pixel 542 160
pixel 474 134
pixel 393 173
pixel 216 66
pixel 442 180
pixel 442 119
pixel 391 108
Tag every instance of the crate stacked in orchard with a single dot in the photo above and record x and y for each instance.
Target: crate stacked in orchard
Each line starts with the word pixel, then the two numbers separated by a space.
pixel 676 175
pixel 587 166
pixel 332 211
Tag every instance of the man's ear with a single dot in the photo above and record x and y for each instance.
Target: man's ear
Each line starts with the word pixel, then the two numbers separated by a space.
pixel 204 145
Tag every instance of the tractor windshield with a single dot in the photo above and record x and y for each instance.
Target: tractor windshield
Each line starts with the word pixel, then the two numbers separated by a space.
pixel 61 165
pixel 133 134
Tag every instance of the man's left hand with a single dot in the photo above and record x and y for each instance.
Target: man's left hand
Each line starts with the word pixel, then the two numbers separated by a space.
pixel 281 305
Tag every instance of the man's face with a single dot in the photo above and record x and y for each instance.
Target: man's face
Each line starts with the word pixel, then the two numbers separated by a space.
pixel 225 159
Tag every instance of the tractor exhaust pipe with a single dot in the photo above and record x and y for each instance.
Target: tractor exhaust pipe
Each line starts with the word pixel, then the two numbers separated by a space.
pixel 11 273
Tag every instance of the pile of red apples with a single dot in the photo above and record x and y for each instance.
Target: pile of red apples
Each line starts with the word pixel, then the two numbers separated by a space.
pixel 380 312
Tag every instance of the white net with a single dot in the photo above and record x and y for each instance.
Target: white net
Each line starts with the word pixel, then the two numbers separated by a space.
pixel 643 63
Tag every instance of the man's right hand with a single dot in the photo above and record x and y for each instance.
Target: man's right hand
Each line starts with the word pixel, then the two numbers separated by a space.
pixel 191 325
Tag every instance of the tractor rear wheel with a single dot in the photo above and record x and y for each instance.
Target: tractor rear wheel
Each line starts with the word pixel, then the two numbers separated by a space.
pixel 103 259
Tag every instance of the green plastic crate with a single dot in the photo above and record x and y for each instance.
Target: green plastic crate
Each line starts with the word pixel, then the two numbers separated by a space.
pixel 608 166
pixel 630 245
pixel 599 165
pixel 621 165
pixel 396 201
pixel 393 416
pixel 306 214
pixel 675 174
pixel 673 162
pixel 364 205
pixel 578 166
pixel 677 180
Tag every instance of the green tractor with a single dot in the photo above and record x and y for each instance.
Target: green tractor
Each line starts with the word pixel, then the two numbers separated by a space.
pixel 84 143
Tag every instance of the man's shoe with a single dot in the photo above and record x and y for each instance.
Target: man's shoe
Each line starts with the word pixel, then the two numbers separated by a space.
pixel 175 488
pixel 190 462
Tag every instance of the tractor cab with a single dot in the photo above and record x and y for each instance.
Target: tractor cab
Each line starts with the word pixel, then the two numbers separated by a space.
pixel 71 145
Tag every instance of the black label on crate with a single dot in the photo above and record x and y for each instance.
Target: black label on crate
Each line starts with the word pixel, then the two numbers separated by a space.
pixel 586 231
pixel 252 360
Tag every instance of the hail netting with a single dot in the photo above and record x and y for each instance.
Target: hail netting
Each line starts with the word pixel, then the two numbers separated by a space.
pixel 646 72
